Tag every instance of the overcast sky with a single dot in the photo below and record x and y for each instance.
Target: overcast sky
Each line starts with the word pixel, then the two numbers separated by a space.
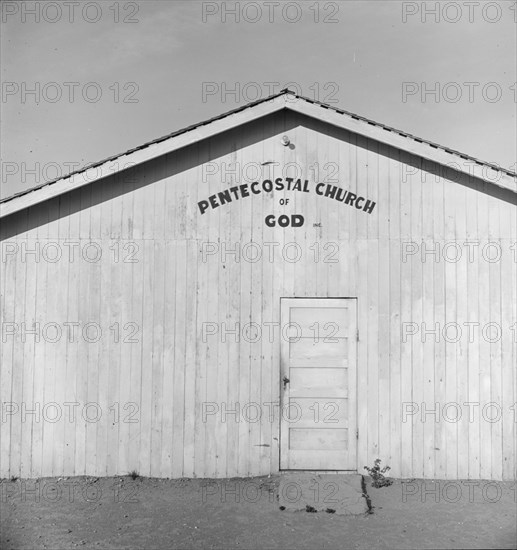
pixel 108 76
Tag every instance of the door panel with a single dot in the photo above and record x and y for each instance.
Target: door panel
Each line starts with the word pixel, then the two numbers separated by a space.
pixel 318 384
pixel 321 381
pixel 307 351
pixel 326 323
pixel 316 438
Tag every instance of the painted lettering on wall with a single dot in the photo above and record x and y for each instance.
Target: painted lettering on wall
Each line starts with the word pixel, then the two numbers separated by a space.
pixel 327 190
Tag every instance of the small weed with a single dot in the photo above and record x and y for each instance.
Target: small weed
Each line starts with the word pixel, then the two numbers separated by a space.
pixel 134 475
pixel 14 478
pixel 310 509
pixel 377 474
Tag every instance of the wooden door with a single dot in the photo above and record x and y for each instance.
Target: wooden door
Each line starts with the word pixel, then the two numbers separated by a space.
pixel 318 384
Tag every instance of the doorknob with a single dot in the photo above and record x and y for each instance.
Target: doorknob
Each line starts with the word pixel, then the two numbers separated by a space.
pixel 285 381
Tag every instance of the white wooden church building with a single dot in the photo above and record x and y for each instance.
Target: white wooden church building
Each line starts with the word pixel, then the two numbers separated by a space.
pixel 287 286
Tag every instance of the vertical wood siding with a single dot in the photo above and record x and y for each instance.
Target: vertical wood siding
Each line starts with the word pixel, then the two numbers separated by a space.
pixel 138 281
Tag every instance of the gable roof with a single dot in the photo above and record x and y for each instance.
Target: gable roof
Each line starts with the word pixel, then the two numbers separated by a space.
pixel 286 99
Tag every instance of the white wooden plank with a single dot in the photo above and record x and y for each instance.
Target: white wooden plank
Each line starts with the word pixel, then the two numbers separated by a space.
pixel 462 346
pixel 495 340
pixel 508 359
pixel 417 299
pixel 270 369
pixel 182 308
pixel 382 196
pixel 371 337
pixel 146 405
pixel 60 283
pixel 395 356
pixel 8 281
pixel 51 316
pixel 190 358
pixel 158 338
pixel 169 340
pixel 257 364
pixel 439 320
pixel 451 285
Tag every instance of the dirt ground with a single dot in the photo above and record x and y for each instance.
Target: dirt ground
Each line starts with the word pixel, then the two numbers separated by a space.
pixel 244 513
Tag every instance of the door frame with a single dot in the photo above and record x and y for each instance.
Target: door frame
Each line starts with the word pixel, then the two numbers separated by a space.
pixel 352 379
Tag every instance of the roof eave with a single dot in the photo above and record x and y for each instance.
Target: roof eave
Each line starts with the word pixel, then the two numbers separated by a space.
pixel 286 99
